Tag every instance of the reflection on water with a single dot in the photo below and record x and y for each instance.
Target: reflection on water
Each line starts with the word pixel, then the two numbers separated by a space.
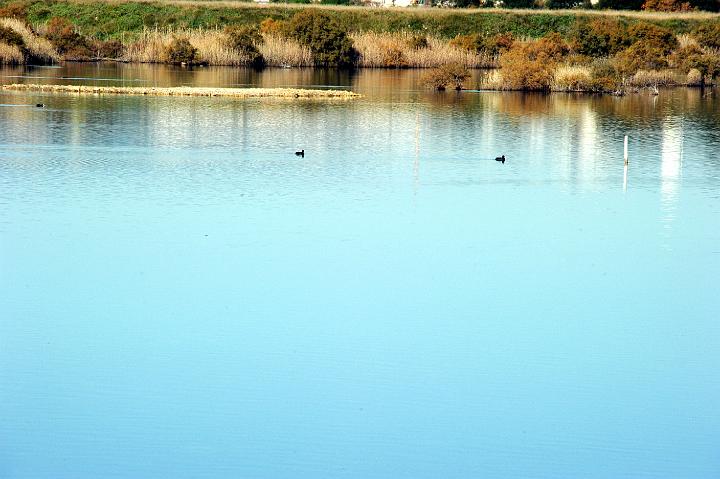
pixel 182 296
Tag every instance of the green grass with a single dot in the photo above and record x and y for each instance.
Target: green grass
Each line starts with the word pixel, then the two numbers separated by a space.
pixel 112 18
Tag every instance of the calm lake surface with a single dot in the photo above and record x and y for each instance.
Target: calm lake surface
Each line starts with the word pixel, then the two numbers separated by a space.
pixel 182 297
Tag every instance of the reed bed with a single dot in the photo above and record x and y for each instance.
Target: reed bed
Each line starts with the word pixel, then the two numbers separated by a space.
pixel 189 91
pixel 38 47
pixel 151 47
pixel 648 78
pixel 10 55
pixel 279 51
pixel 572 78
pixel 395 50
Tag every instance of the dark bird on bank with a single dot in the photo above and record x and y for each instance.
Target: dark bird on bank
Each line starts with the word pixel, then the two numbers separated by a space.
pixel 500 158
pixel 40 105
pixel 300 153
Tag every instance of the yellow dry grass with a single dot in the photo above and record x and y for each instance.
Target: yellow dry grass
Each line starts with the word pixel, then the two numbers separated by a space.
pixel 151 45
pixel 189 91
pixel 647 78
pixel 393 50
pixel 572 78
pixel 39 47
pixel 279 51
pixel 10 55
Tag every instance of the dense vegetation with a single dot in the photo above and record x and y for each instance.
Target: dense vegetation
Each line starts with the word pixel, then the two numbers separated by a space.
pixel 105 20
pixel 535 51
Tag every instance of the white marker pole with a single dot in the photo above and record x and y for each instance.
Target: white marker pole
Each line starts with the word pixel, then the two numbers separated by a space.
pixel 626 149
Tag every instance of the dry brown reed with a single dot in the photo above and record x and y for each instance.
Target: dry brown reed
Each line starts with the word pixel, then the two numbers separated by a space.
pixel 188 91
pixel 382 50
pixel 38 47
pixel 10 55
pixel 279 51
pixel 572 78
pixel 151 46
pixel 655 78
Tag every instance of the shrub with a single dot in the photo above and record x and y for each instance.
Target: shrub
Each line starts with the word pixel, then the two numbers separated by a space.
pixel 109 49
pixel 11 37
pixel 68 43
pixel 477 43
pixel 418 42
pixel 393 56
pixel 641 55
pixel 658 37
pixel 320 31
pixel 245 39
pixel 599 38
pixel 471 43
pixel 706 63
pixel 667 6
pixel 551 45
pixel 525 68
pixel 181 50
pixel 452 74
pixel 498 43
pixel 274 27
pixel 14 10
pixel 708 35
pixel 694 78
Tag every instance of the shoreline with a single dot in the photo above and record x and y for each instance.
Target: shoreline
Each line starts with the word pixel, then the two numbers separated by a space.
pixel 188 91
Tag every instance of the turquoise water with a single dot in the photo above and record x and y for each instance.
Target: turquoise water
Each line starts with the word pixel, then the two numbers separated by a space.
pixel 181 296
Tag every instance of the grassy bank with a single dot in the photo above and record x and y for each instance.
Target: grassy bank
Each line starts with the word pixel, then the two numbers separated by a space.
pixel 118 18
pixel 189 91
pixel 550 50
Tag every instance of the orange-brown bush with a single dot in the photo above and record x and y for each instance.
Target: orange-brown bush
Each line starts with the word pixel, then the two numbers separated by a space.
pixel 452 74
pixel 477 43
pixel 14 10
pixel 68 43
pixel 667 6
pixel 274 27
pixel 524 67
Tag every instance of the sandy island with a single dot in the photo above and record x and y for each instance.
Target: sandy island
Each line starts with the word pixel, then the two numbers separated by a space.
pixel 189 91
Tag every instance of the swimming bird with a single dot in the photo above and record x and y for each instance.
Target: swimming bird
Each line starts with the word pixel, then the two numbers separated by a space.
pixel 300 153
pixel 40 105
pixel 500 158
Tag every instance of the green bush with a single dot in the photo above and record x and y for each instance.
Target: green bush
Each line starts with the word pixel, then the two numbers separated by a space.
pixel 180 51
pixel 499 43
pixel 708 35
pixel 659 37
pixel 328 42
pixel 599 38
pixel 642 55
pixel 451 74
pixel 245 39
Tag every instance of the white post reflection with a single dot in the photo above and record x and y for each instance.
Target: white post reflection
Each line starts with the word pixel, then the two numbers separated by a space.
pixel 670 168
